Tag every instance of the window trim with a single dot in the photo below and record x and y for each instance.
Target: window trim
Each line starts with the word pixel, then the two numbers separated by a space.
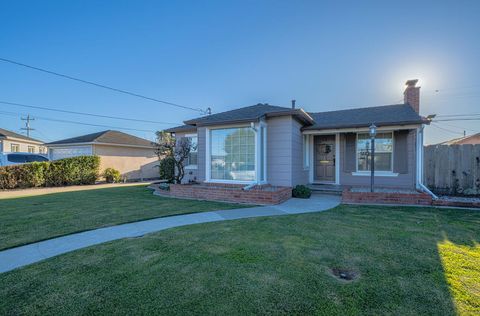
pixel 384 173
pixel 208 135
pixel 11 148
pixel 32 148
pixel 306 151
pixel 191 167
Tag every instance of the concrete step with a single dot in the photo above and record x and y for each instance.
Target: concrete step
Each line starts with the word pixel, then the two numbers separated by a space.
pixel 326 189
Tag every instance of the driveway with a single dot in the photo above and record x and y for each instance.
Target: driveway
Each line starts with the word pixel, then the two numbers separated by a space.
pixel 20 256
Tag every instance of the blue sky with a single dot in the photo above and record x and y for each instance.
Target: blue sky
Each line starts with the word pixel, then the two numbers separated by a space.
pixel 228 54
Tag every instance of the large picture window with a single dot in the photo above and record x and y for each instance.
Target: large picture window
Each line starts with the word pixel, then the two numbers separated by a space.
pixel 383 152
pixel 232 154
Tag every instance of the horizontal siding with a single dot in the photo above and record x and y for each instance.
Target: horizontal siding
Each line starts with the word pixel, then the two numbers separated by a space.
pixel 406 180
pixel 279 151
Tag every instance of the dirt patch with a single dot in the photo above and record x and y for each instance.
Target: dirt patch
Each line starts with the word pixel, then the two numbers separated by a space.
pixel 344 274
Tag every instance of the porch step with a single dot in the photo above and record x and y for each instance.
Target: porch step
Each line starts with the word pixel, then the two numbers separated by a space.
pixel 326 189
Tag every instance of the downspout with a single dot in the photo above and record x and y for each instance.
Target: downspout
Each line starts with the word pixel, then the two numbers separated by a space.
pixel 420 163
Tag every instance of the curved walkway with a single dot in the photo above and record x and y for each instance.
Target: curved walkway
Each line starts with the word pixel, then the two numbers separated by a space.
pixel 20 256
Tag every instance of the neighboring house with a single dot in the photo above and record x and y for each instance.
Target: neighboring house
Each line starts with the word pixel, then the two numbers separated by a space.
pixel 289 146
pixel 13 142
pixel 134 157
pixel 466 140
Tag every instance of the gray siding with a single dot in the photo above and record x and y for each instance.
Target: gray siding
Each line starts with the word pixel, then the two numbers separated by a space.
pixel 403 180
pixel 202 134
pixel 299 174
pixel 279 151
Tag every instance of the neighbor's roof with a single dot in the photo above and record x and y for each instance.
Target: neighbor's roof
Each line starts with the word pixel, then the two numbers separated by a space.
pixel 472 140
pixel 106 137
pixel 7 134
pixel 397 114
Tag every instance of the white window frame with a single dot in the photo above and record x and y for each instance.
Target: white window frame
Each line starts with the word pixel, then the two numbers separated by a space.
pixel 32 148
pixel 381 173
pixel 256 127
pixel 17 146
pixel 192 166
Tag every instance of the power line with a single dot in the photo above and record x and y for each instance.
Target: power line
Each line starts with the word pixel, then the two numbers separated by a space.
pixel 79 123
pixel 101 85
pixel 458 119
pixel 27 124
pixel 447 130
pixel 86 114
pixel 460 127
pixel 458 115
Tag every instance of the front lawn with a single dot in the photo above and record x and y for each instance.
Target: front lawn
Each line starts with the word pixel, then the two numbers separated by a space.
pixel 29 219
pixel 407 261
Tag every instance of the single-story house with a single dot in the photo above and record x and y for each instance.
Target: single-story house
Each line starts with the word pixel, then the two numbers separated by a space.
pixel 134 157
pixel 465 140
pixel 282 146
pixel 13 142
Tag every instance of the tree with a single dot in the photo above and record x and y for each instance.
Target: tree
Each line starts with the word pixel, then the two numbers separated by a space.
pixel 168 147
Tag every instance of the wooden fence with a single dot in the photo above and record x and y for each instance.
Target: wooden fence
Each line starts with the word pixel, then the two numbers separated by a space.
pixel 452 169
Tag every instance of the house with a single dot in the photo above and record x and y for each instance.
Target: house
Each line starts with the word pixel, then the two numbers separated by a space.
pixel 466 140
pixel 134 157
pixel 13 142
pixel 280 146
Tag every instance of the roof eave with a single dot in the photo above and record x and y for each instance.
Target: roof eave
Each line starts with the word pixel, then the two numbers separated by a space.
pixel 340 126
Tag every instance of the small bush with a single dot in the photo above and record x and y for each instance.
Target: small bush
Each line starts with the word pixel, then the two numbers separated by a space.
pixel 167 169
pixel 301 191
pixel 112 175
pixel 69 171
pixel 164 186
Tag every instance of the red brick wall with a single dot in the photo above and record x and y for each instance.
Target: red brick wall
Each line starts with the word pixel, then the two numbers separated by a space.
pixel 230 193
pixel 456 203
pixel 386 198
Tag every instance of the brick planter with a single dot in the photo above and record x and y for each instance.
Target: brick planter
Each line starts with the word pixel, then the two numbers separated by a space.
pixel 441 202
pixel 261 195
pixel 386 198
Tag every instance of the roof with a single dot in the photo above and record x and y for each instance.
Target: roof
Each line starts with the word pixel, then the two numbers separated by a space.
pixel 106 137
pixel 397 114
pixel 472 139
pixel 245 114
pixel 9 134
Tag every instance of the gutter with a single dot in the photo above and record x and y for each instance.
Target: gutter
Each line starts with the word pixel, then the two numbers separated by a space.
pixel 420 163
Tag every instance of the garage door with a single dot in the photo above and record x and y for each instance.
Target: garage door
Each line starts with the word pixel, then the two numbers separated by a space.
pixel 68 152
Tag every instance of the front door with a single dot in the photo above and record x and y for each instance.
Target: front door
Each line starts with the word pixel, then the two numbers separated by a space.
pixel 324 158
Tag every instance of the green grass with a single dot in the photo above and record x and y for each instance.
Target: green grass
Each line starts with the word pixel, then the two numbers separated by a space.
pixel 28 219
pixel 410 261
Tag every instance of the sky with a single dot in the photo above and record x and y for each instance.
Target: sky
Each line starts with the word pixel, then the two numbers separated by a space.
pixel 229 54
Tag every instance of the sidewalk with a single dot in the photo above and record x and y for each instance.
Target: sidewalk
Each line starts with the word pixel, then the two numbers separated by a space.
pixel 41 191
pixel 20 256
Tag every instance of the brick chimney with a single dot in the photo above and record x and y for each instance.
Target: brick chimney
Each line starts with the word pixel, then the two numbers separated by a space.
pixel 411 95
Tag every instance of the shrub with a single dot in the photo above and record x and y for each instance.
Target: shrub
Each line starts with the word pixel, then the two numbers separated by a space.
pixel 112 175
pixel 167 169
pixel 69 171
pixel 301 191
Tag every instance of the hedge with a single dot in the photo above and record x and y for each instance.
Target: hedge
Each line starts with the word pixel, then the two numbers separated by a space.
pixel 68 171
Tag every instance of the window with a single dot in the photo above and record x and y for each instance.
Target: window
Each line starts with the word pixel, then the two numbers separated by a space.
pixel 33 158
pixel 232 154
pixel 17 158
pixel 193 156
pixel 14 148
pixel 306 152
pixel 31 149
pixel 383 152
pixel 42 150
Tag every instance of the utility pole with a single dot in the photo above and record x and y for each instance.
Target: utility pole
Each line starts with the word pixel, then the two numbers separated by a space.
pixel 27 124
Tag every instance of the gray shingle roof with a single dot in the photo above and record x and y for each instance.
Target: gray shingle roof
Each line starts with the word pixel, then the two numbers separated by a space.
pixel 360 117
pixel 247 113
pixel 379 115
pixel 109 137
pixel 7 133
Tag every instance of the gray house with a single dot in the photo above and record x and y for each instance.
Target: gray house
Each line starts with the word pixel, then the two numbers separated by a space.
pixel 289 146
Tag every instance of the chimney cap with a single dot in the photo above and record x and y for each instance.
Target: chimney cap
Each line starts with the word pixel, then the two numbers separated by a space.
pixel 411 82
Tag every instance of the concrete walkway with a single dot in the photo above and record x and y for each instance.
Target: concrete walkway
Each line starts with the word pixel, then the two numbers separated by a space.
pixel 20 256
